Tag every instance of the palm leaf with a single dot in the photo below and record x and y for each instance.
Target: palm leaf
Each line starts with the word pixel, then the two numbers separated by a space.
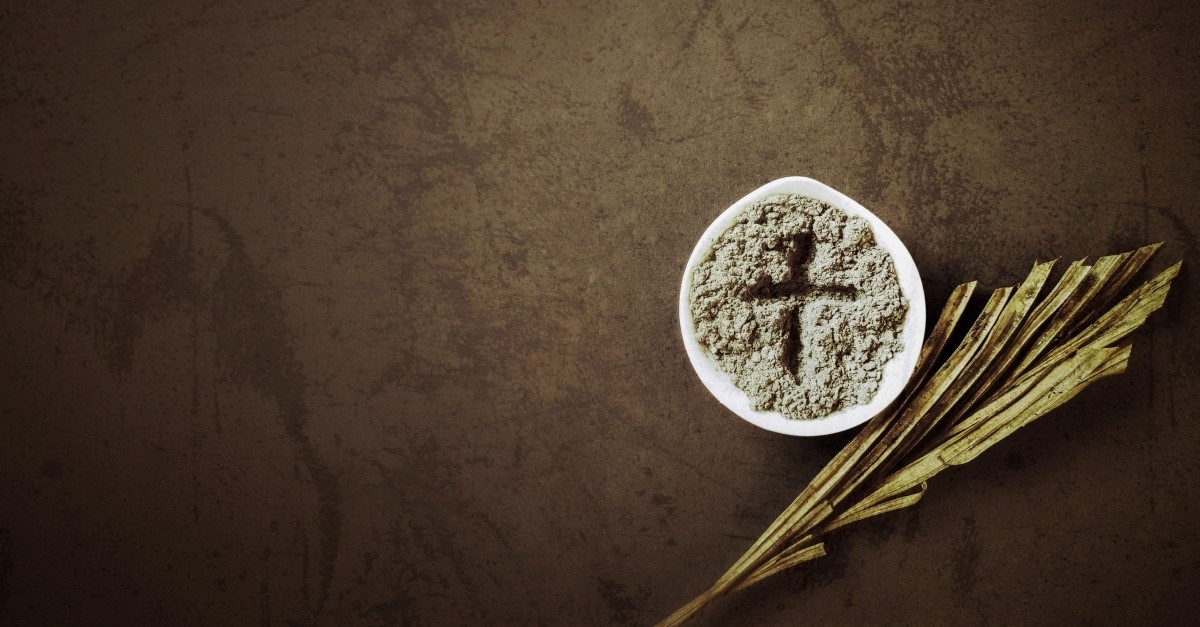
pixel 1023 356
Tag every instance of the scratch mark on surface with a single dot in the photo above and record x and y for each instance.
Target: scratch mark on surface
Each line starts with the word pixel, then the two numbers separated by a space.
pixel 966 556
pixel 254 344
pixel 195 329
pixel 264 605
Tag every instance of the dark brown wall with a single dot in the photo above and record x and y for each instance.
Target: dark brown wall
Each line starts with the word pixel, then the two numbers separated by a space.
pixel 364 313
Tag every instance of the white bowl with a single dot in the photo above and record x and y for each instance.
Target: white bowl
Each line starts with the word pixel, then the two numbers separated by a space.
pixel 895 374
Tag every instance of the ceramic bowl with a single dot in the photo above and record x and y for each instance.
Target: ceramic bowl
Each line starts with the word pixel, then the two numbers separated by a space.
pixel 895 374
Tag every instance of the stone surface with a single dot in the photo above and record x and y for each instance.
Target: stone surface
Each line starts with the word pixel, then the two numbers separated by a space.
pixel 364 313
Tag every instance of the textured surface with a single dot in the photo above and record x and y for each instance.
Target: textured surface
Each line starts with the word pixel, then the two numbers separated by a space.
pixel 364 313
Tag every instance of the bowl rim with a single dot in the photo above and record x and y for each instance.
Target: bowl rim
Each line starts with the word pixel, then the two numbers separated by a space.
pixel 898 370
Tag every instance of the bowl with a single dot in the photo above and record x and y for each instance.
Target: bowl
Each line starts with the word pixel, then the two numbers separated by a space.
pixel 895 374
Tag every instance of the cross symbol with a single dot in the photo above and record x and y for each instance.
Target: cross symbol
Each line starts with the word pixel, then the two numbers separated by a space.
pixel 799 290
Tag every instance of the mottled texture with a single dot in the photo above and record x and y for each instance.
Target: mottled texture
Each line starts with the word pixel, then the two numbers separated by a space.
pixel 364 313
pixel 800 306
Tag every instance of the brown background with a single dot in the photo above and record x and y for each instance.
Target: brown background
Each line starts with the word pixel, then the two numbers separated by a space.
pixel 364 313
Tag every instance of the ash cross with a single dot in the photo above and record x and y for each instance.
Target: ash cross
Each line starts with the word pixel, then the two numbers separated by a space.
pixel 799 290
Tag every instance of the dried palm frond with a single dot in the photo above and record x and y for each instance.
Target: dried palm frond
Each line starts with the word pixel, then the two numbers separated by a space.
pixel 1021 358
